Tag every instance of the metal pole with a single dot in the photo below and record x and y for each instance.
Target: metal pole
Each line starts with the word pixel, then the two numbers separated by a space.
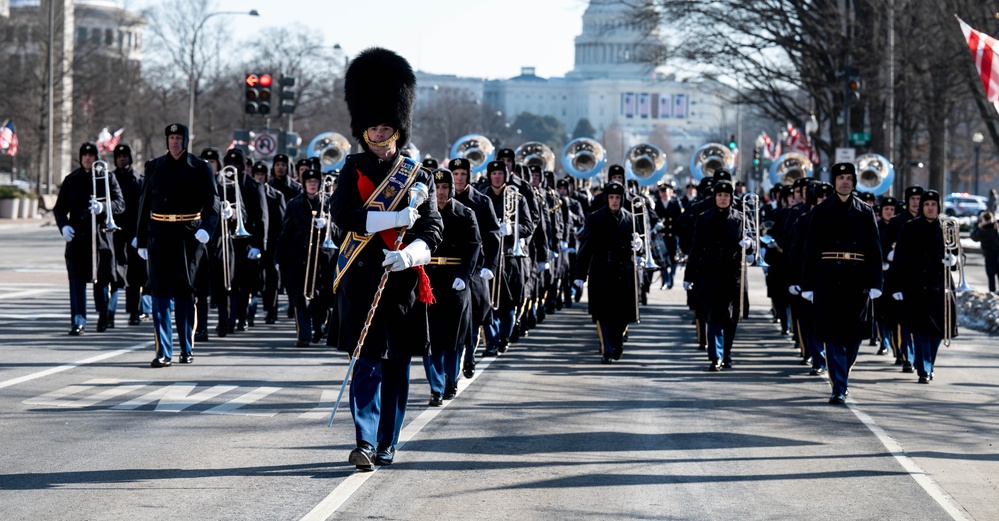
pixel 978 150
pixel 891 82
pixel 50 135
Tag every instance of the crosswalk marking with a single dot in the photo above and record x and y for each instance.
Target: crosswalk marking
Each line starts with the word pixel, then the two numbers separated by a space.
pixel 57 398
pixel 233 405
pixel 175 398
pixel 322 409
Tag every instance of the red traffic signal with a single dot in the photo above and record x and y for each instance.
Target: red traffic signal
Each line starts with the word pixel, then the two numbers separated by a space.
pixel 252 80
pixel 265 81
pixel 258 93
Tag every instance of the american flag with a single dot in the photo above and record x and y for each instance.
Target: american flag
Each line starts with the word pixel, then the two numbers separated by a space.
pixel 801 142
pixel 8 138
pixel 983 49
pixel 771 148
pixel 107 141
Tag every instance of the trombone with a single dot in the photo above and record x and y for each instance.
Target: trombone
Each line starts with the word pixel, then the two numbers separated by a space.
pixel 230 178
pixel 644 263
pixel 751 231
pixel 312 257
pixel 952 242
pixel 512 218
pixel 100 171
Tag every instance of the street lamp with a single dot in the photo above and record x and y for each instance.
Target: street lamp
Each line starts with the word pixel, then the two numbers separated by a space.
pixel 977 138
pixel 193 87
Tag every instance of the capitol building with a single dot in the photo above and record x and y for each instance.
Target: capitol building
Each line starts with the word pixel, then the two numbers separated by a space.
pixel 612 85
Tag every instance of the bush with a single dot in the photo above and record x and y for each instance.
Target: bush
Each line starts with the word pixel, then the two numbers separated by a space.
pixel 9 192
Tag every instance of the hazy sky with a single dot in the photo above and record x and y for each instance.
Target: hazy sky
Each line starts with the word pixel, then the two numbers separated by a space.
pixel 481 38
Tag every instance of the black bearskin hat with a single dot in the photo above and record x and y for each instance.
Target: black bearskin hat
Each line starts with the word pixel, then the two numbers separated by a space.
pixel 380 89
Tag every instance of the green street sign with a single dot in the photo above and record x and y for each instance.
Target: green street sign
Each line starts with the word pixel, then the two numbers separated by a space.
pixel 860 138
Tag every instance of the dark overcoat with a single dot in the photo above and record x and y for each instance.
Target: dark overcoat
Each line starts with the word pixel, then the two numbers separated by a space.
pixel 921 278
pixel 451 316
pixel 73 208
pixel 714 265
pixel 606 258
pixel 485 217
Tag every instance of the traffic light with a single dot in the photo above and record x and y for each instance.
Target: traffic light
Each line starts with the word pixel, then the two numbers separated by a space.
pixel 286 95
pixel 756 157
pixel 258 93
pixel 732 144
pixel 852 94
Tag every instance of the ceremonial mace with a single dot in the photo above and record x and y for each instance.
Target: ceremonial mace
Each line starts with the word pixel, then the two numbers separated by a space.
pixel 418 193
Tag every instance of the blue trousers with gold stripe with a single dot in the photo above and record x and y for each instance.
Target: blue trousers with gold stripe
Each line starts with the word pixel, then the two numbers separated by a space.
pixel 839 360
pixel 611 334
pixel 186 322
pixel 379 393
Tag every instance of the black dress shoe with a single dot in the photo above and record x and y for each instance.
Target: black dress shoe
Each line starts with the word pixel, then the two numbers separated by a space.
pixel 727 364
pixel 882 352
pixel 490 351
pixel 385 455
pixel 817 371
pixel 617 355
pixel 187 358
pixel 899 361
pixel 251 321
pixel 161 362
pixel 201 336
pixel 221 330
pixel 714 367
pixel 240 326
pixel 271 317
pixel 435 400
pixel 134 320
pixel 302 343
pixel 317 336
pixel 606 359
pixel 111 322
pixel 363 457
pixel 144 316
pixel 450 392
pixel 469 369
pixel 924 379
pixel 907 368
pixel 102 325
pixel 837 399
pixel 503 346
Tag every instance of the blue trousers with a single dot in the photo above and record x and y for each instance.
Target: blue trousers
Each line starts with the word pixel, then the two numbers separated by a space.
pixel 611 334
pixel 452 363
pixel 926 352
pixel 720 339
pixel 186 319
pixel 815 351
pixel 78 302
pixel 501 327
pixel 907 350
pixel 106 298
pixel 434 366
pixel 379 393
pixel 884 334
pixel 840 359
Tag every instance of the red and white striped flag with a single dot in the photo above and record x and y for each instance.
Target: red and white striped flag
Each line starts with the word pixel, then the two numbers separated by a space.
pixel 107 141
pixel 8 138
pixel 984 49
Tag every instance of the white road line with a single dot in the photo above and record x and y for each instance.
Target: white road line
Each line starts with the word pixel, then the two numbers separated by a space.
pixel 921 477
pixel 322 409
pixel 25 293
pixel 67 367
pixel 344 490
pixel 233 406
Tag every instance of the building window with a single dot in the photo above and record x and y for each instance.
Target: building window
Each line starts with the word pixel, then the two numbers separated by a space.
pixel 108 37
pixel 95 36
pixel 81 35
pixel 121 38
pixel 129 38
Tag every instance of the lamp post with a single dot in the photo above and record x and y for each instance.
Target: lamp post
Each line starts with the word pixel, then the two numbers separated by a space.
pixel 977 138
pixel 193 76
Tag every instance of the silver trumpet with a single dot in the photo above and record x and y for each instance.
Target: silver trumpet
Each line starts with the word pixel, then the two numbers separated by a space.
pixel 100 172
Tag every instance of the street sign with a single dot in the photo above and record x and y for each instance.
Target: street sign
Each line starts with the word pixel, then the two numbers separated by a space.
pixel 860 138
pixel 846 155
pixel 265 144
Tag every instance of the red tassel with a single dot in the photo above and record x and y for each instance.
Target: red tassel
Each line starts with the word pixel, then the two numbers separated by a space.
pixel 424 293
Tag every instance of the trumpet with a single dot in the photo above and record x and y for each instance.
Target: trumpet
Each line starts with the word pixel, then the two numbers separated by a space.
pixel 312 257
pixel 646 262
pixel 100 171
pixel 512 218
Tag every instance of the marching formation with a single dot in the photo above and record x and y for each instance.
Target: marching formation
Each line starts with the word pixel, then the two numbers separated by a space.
pixel 388 258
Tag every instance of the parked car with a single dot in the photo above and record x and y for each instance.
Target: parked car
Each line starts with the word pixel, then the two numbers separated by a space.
pixel 964 205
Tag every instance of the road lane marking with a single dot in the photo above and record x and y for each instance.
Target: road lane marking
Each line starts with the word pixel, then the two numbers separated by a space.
pixel 175 398
pixel 233 406
pixel 67 367
pixel 56 398
pixel 347 487
pixel 322 409
pixel 922 478
pixel 25 293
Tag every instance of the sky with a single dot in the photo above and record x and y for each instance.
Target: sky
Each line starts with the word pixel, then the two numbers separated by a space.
pixel 489 39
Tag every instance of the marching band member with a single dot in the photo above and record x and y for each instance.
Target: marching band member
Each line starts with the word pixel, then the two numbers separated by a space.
pixel 303 217
pixel 841 275
pixel 906 350
pixel 714 272
pixel 702 202
pixel 276 204
pixel 885 212
pixel 247 279
pixel 920 257
pixel 778 272
pixel 451 266
pixel 281 181
pixel 504 320
pixel 804 313
pixel 130 181
pixel 668 209
pixel 77 204
pixel 485 270
pixel 606 257
pixel 574 215
pixel 370 205
pixel 177 214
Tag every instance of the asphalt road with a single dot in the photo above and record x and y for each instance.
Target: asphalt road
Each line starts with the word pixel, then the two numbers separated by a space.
pixel 543 432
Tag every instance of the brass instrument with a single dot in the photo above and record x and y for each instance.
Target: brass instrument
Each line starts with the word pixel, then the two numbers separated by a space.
pixel 329 184
pixel 478 150
pixel 315 234
pixel 644 263
pixel 583 158
pixel 100 172
pixel 224 226
pixel 875 174
pixel 952 241
pixel 752 228
pixel 790 167
pixel 231 175
pixel 535 153
pixel 645 163
pixel 331 148
pixel 512 218
pixel 710 157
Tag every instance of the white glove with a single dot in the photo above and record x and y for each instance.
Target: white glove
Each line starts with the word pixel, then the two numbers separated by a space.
pixel 750 258
pixel 687 286
pixel 553 255
pixel 458 285
pixel 406 217
pixel 578 283
pixel 891 255
pixel 68 232
pixel 96 207
pixel 202 236
pixel 486 274
pixel 885 266
pixel 950 260
pixel 897 295
pixel 808 295
pixel 319 223
pixel 416 254
pixel 874 292
pixel 253 254
pixel 506 229
pixel 227 212
pixel 563 246
pixel 636 244
pixel 794 290
pixel 571 250
pixel 143 253
pixel 745 243
pixel 542 266
pixel 135 242
pixel 658 227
